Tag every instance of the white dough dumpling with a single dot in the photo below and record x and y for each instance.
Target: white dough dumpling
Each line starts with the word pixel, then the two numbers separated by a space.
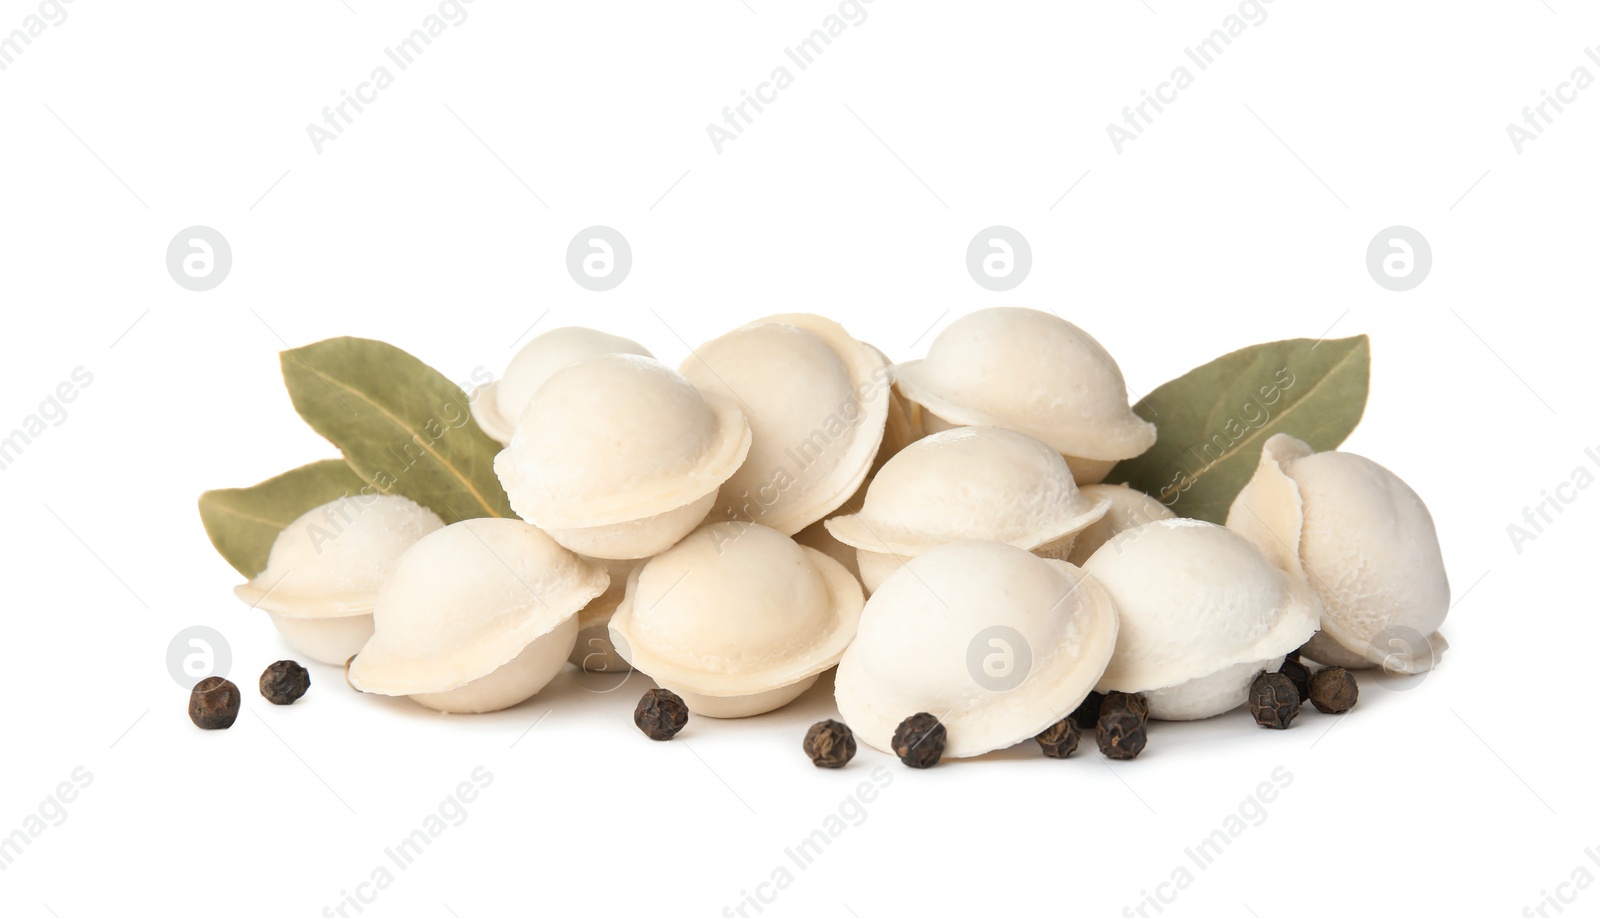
pixel 1034 372
pixel 1202 612
pixel 817 400
pixel 1129 509
pixel 985 483
pixel 497 406
pixel 618 457
pixel 1365 544
pixel 594 653
pixel 994 641
pixel 476 617
pixel 737 618
pixel 325 568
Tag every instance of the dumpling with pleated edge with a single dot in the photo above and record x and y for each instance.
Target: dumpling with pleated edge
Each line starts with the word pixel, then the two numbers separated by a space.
pixel 1203 611
pixel 325 568
pixel 985 483
pixel 618 457
pixel 1363 541
pixel 818 402
pixel 1034 372
pixel 996 642
pixel 476 617
pixel 738 619
pixel 497 406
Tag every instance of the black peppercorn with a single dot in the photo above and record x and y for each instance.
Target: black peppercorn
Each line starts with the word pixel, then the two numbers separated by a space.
pixel 1300 675
pixel 1120 733
pixel 214 703
pixel 1334 690
pixel 1136 704
pixel 1088 712
pixel 1060 739
pixel 284 682
pixel 1274 700
pixel 919 740
pixel 1292 656
pixel 830 744
pixel 660 714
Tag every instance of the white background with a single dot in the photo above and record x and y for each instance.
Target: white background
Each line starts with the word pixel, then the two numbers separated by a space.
pixel 1241 215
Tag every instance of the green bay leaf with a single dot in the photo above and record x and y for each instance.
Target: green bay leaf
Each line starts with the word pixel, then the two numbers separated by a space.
pixel 1212 421
pixel 243 522
pixel 400 424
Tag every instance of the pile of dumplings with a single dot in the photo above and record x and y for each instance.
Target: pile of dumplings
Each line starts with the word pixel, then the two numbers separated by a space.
pixel 788 501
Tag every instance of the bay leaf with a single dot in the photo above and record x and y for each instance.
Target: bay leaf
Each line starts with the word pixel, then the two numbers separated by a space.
pixel 1211 422
pixel 400 424
pixel 243 522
